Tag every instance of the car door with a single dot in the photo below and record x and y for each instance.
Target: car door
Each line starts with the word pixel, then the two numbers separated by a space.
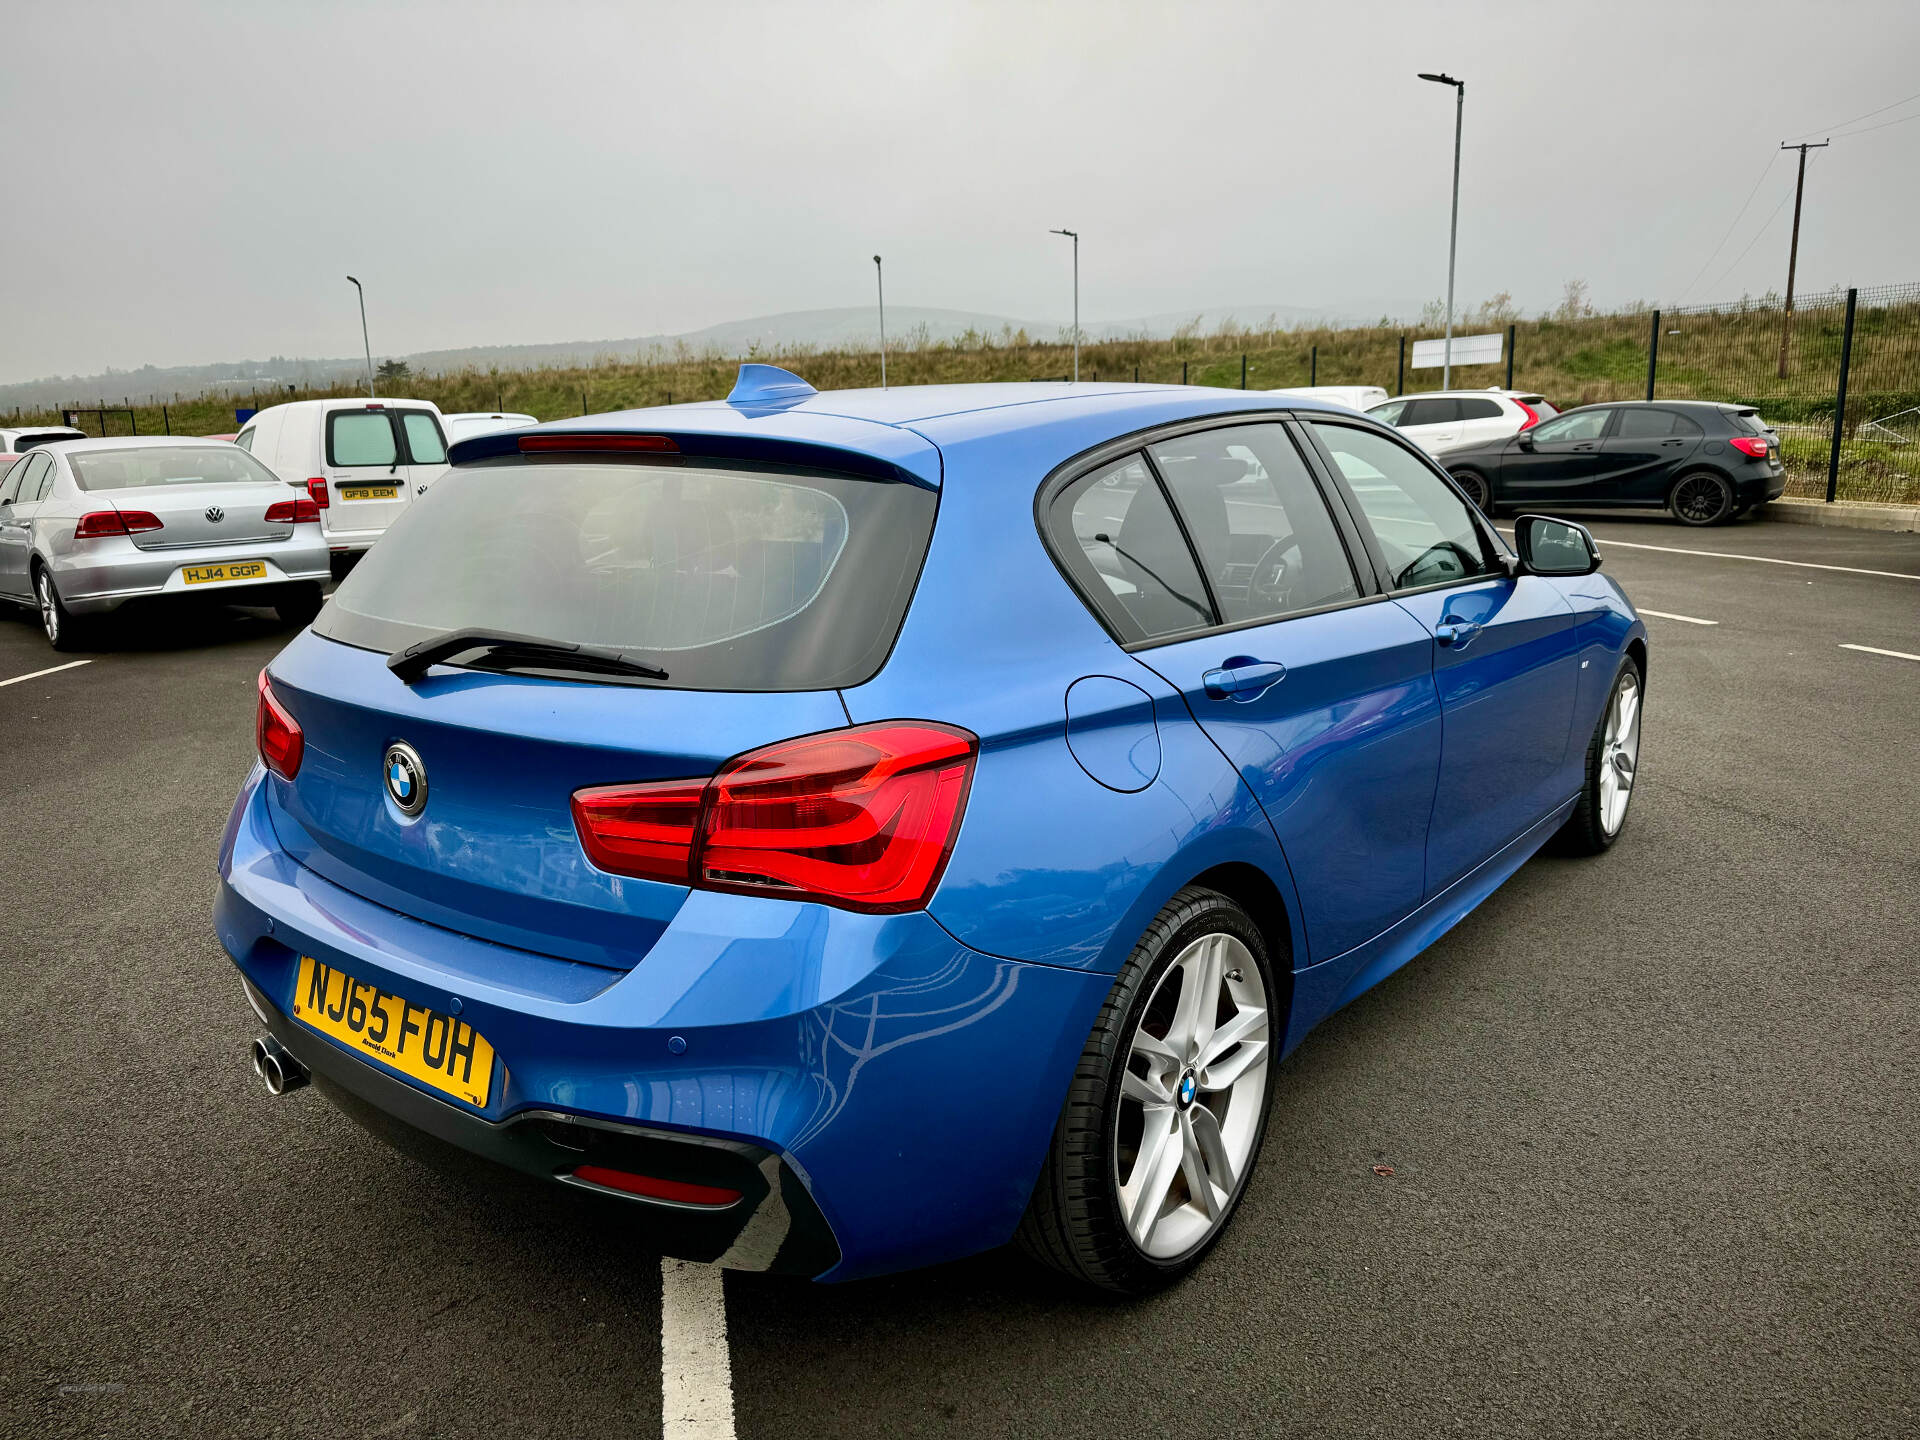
pixel 1432 423
pixel 366 472
pixel 1557 460
pixel 1644 453
pixel 1501 648
pixel 426 447
pixel 1318 690
pixel 16 514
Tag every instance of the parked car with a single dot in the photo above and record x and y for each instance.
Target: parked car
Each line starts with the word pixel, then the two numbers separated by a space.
pixel 469 423
pixel 22 439
pixel 7 457
pixel 1704 462
pixel 672 810
pixel 87 526
pixel 1443 421
pixel 1354 397
pixel 361 462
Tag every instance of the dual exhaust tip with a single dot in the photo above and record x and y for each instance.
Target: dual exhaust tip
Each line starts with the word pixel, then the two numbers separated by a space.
pixel 276 1067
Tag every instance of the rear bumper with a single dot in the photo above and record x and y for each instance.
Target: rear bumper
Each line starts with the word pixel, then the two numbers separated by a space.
pixel 100 582
pixel 892 1090
pixel 1759 484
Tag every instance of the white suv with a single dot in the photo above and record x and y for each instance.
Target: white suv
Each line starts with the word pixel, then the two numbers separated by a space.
pixel 1443 420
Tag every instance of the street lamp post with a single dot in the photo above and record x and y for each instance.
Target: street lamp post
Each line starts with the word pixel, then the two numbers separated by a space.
pixel 1074 235
pixel 1453 231
pixel 363 335
pixel 880 283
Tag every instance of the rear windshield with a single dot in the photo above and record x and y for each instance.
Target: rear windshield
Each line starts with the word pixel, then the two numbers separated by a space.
pixel 727 578
pixel 167 465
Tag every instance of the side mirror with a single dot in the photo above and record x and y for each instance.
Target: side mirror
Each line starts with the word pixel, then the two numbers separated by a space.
pixel 1554 547
pixel 1525 439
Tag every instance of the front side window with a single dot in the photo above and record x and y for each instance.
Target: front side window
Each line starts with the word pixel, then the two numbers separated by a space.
pixel 154 465
pixel 1425 530
pixel 424 444
pixel 728 579
pixel 1579 425
pixel 361 437
pixel 1256 518
pixel 1115 535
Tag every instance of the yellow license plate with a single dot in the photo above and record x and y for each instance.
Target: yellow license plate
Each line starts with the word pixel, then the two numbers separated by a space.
pixel 437 1050
pixel 369 492
pixel 232 570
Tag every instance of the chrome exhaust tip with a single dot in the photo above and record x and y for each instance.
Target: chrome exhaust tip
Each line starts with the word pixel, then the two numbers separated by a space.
pixel 276 1067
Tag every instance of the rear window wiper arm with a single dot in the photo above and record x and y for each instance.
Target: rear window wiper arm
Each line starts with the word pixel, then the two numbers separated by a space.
pixel 506 646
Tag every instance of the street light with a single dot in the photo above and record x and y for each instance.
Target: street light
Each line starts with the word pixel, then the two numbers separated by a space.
pixel 1453 232
pixel 363 335
pixel 880 283
pixel 1074 235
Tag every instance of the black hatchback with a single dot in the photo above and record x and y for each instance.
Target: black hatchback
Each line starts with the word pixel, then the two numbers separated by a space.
pixel 1706 463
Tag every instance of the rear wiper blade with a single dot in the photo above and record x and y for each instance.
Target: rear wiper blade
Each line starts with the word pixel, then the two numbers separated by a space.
pixel 505 649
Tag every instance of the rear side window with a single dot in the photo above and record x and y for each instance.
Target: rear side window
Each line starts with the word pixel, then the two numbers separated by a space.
pixel 1431 412
pixel 1257 521
pixel 1117 538
pixel 1473 408
pixel 424 444
pixel 1654 425
pixel 727 578
pixel 360 437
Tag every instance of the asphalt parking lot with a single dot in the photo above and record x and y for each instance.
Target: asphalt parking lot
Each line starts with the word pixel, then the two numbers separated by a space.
pixel 1649 1118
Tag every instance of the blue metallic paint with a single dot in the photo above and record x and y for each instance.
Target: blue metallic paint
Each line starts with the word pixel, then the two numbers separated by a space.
pixel 871 1051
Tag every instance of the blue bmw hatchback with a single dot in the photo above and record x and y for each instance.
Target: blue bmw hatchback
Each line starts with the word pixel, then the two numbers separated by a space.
pixel 856 830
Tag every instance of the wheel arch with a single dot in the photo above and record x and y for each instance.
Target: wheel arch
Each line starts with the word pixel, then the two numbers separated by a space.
pixel 1255 892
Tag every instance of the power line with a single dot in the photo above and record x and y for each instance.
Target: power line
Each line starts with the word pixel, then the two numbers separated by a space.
pixel 1866 129
pixel 1765 171
pixel 1821 129
pixel 1765 225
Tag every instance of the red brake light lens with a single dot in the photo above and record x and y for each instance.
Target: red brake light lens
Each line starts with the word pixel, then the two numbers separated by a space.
pixel 277 734
pixel 681 1192
pixel 317 491
pixel 657 444
pixel 98 524
pixel 863 818
pixel 292 512
pixel 1750 445
pixel 1533 416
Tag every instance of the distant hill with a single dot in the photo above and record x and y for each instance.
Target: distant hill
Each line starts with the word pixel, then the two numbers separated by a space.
pixel 846 328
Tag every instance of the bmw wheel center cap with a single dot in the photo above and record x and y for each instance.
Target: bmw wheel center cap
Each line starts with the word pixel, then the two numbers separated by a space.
pixel 406 775
pixel 1189 1087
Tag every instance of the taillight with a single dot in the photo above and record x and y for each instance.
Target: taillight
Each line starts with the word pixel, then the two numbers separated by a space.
pixel 98 524
pixel 277 734
pixel 862 818
pixel 292 512
pixel 1533 416
pixel 655 1187
pixel 317 491
pixel 1750 445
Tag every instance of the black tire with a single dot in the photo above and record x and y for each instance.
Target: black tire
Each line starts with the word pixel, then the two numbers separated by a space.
pixel 1073 1221
pixel 1478 491
pixel 1701 497
pixel 62 630
pixel 298 604
pixel 1584 833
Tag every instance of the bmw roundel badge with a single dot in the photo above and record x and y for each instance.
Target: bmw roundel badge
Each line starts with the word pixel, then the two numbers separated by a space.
pixel 406 777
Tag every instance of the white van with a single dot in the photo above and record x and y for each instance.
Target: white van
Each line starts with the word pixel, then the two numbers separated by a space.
pixel 362 461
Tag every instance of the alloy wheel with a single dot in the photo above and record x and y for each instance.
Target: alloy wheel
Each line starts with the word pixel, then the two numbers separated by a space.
pixel 1192 1096
pixel 1620 752
pixel 49 608
pixel 1701 499
pixel 1475 487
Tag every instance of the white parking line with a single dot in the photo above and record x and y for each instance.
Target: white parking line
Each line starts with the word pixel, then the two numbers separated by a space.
pixel 1684 619
pixel 50 670
pixel 696 1372
pixel 1876 650
pixel 1757 559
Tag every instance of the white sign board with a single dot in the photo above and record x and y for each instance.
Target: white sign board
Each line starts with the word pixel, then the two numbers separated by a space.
pixel 1467 350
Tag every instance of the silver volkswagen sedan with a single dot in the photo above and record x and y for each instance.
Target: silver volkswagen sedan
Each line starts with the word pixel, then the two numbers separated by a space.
pixel 88 525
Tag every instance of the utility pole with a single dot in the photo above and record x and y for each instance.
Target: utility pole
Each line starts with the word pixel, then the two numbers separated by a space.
pixel 1793 250
pixel 363 335
pixel 1453 230
pixel 880 283
pixel 1074 235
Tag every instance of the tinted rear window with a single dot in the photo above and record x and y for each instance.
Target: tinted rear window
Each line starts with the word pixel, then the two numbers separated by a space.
pixel 1747 422
pixel 1475 409
pixel 167 465
pixel 44 437
pixel 728 578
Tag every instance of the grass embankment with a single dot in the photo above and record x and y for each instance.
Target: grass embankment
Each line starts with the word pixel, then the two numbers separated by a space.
pixel 1720 355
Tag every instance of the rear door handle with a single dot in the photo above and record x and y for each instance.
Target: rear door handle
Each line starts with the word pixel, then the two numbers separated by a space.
pixel 1243 678
pixel 1456 633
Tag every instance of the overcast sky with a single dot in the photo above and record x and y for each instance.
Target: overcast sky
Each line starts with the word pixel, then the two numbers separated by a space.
pixel 189 182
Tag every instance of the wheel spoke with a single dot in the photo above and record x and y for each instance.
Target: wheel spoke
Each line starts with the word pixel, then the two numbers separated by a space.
pixel 1153 1171
pixel 1193 1164
pixel 1626 711
pixel 1193 1017
pixel 1223 1074
pixel 1154 1048
pixel 1205 1127
pixel 1147 1089
pixel 1623 766
pixel 1246 1022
